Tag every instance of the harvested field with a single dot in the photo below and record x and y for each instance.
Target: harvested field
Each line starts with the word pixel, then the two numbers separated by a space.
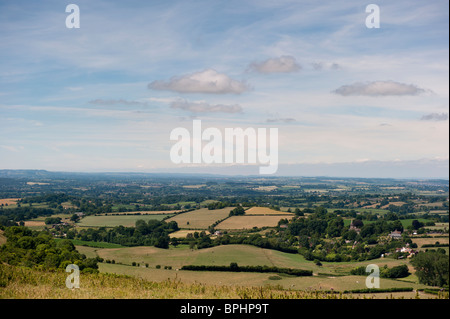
pixel 200 218
pixel 264 211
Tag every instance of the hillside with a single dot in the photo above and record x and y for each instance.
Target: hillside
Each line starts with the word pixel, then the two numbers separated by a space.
pixel 25 283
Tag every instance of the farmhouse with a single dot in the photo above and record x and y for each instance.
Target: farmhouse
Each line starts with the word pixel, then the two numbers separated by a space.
pixel 406 249
pixel 354 227
pixel 396 234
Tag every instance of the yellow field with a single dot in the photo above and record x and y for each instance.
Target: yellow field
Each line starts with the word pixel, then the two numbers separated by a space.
pixel 248 222
pixel 183 233
pixel 9 201
pixel 34 223
pixel 264 211
pixel 200 218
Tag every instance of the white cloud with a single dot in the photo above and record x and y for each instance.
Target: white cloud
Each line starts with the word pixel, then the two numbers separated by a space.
pixel 207 81
pixel 283 64
pixel 379 88
pixel 203 107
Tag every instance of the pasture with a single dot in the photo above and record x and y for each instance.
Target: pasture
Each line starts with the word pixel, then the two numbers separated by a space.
pixel 200 218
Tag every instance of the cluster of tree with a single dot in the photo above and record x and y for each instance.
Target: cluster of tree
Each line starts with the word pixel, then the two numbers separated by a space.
pixel 233 267
pixel 11 216
pixel 385 272
pixel 38 249
pixel 432 267
pixel 321 223
pixel 218 205
pixel 238 211
pixel 52 220
pixel 151 233
pixel 57 198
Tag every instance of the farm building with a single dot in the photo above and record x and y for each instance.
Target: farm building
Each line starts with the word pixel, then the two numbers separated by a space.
pixel 396 234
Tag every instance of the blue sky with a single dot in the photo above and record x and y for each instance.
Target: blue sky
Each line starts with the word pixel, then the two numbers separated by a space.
pixel 106 96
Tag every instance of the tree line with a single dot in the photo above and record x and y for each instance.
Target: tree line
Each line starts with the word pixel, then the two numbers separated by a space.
pixel 234 267
pixel 151 233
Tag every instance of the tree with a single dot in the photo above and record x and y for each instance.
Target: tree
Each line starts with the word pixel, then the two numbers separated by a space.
pixel 416 224
pixel 238 211
pixel 432 268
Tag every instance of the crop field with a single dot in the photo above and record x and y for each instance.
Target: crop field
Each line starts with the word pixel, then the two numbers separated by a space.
pixel 117 220
pixel 248 222
pixel 183 233
pixel 200 218
pixel 264 211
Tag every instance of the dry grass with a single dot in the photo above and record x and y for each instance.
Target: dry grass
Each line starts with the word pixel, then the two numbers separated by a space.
pixel 24 283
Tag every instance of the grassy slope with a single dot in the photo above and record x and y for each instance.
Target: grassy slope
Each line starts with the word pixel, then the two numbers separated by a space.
pixel 24 283
pixel 330 273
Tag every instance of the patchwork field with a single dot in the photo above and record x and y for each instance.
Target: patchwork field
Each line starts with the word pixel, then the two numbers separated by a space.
pixel 200 218
pixel 248 222
pixel 117 220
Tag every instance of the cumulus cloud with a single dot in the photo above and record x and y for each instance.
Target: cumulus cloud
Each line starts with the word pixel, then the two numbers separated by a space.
pixel 118 102
pixel 202 107
pixel 379 88
pixel 207 81
pixel 283 64
pixel 435 117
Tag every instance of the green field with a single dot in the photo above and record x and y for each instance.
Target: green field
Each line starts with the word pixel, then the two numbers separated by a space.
pixel 117 220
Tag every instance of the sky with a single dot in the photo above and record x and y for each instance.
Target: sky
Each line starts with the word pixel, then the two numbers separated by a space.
pixel 107 95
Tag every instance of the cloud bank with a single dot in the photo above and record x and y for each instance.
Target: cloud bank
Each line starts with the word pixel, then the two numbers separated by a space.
pixel 435 117
pixel 207 81
pixel 379 88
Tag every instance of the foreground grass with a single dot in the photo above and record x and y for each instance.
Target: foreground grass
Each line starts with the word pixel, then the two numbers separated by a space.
pixel 25 283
